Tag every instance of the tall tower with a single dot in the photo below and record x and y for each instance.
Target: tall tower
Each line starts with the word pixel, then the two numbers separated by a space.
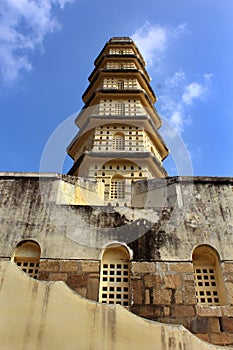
pixel 118 140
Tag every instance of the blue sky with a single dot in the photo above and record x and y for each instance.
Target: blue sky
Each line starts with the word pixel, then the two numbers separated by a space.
pixel 47 52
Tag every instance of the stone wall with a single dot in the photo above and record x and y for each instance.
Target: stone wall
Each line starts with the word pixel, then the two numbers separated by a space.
pixel 81 276
pixel 160 291
pixel 169 219
pixel 165 292
pixel 193 211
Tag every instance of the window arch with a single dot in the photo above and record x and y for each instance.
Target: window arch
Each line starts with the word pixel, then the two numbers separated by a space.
pixel 27 257
pixel 120 85
pixel 117 189
pixel 118 142
pixel 208 276
pixel 114 276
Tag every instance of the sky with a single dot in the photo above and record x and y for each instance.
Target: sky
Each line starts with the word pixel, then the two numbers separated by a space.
pixel 47 52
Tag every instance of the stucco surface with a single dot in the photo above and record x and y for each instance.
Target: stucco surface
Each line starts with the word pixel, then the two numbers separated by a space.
pixel 168 219
pixel 41 315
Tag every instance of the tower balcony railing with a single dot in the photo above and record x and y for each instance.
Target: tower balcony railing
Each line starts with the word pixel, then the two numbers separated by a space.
pixel 109 111
pixel 127 148
pixel 108 146
pixel 99 109
pixel 119 68
pixel 118 39
pixel 122 88
pixel 126 113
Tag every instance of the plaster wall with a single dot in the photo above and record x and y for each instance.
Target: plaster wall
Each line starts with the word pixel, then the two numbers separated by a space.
pixel 40 315
pixel 167 220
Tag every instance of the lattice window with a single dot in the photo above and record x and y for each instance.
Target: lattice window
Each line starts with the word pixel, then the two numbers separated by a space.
pixel 117 190
pixel 27 257
pixel 29 267
pixel 119 108
pixel 118 51
pixel 114 283
pixel 206 286
pixel 118 142
pixel 120 85
pixel 208 276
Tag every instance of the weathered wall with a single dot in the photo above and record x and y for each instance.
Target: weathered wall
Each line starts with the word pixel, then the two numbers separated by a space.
pixel 80 275
pixel 38 315
pixel 160 291
pixel 165 292
pixel 30 209
pixel 170 217
pixel 195 211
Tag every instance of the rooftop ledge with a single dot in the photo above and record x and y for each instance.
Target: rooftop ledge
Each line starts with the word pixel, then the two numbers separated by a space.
pixel 184 179
pixel 120 39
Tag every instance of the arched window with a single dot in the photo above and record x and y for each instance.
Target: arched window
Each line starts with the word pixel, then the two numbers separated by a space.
pixel 117 190
pixel 118 142
pixel 120 85
pixel 27 257
pixel 114 276
pixel 208 276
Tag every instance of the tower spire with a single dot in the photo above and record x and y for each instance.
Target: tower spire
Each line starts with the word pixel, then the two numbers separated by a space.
pixel 118 139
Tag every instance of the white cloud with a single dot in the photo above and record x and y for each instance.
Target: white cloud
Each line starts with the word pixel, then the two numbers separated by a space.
pixel 152 40
pixel 177 93
pixel 177 97
pixel 192 91
pixel 23 26
pixel 176 80
pixel 208 77
pixel 177 119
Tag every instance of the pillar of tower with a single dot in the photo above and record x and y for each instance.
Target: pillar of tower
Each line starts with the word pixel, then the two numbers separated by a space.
pixel 118 140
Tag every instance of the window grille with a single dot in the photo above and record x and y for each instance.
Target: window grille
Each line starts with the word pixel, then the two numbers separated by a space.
pixel 114 283
pixel 209 285
pixel 27 257
pixel 117 190
pixel 30 267
pixel 120 85
pixel 118 142
pixel 119 108
pixel 206 286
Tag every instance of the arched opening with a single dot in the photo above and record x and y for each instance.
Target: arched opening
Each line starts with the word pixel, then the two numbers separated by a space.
pixel 208 276
pixel 120 85
pixel 117 188
pixel 114 276
pixel 118 142
pixel 27 257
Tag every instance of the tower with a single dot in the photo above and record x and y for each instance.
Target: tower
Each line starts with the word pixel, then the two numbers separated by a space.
pixel 118 139
pixel 63 260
